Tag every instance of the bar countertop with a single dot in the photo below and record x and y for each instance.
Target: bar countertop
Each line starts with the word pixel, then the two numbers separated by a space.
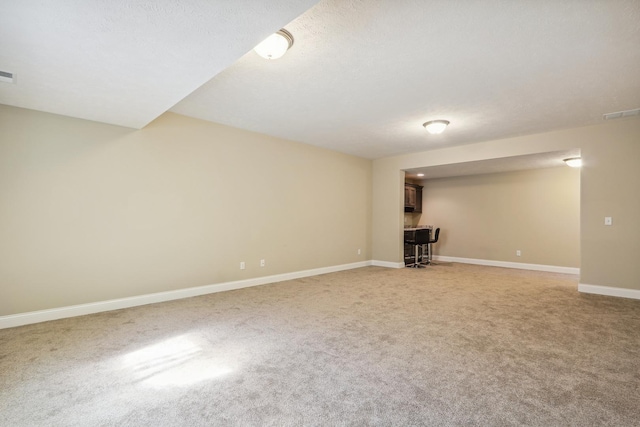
pixel 417 227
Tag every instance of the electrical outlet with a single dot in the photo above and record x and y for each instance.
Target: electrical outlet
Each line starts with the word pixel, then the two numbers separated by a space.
pixel 262 263
pixel 242 266
pixel 359 251
pixel 518 253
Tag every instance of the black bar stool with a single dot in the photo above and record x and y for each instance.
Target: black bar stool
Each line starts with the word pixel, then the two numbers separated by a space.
pixel 431 242
pixel 420 243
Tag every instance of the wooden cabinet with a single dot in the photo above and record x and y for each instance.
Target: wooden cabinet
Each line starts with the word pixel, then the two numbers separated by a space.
pixel 412 198
pixel 409 197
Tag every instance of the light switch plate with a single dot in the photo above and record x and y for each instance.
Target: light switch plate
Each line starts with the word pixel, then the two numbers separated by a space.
pixel 608 220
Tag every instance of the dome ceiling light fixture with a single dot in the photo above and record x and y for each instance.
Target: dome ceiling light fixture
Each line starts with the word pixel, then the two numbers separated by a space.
pixel 276 45
pixel 574 162
pixel 436 126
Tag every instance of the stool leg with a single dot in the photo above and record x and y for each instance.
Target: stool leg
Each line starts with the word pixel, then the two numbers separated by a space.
pixel 420 256
pixel 431 255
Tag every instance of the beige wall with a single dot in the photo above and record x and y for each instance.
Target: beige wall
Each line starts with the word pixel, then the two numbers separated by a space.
pixel 611 187
pixel 91 212
pixel 491 216
pixel 608 184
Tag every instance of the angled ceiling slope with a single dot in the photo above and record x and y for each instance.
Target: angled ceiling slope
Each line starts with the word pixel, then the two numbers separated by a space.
pixel 126 62
pixel 363 76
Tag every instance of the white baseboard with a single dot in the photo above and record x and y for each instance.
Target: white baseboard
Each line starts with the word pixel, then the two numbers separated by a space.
pixel 506 264
pixel 387 264
pixel 14 320
pixel 609 291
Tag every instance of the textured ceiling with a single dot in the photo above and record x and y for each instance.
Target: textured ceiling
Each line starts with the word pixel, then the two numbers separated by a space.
pixel 503 164
pixel 126 62
pixel 361 77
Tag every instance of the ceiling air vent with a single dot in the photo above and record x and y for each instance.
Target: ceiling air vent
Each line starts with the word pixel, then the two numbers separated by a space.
pixel 620 114
pixel 6 77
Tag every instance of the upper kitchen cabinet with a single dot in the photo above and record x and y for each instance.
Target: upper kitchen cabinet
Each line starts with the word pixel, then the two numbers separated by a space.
pixel 412 198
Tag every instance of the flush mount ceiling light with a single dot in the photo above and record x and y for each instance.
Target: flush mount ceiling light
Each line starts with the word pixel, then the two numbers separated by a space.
pixel 574 162
pixel 436 126
pixel 276 45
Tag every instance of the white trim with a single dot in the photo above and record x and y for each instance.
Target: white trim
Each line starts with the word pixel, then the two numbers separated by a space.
pixel 506 264
pixel 387 264
pixel 13 320
pixel 609 290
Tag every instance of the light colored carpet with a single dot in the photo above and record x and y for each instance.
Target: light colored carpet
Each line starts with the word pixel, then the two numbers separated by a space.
pixel 442 346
